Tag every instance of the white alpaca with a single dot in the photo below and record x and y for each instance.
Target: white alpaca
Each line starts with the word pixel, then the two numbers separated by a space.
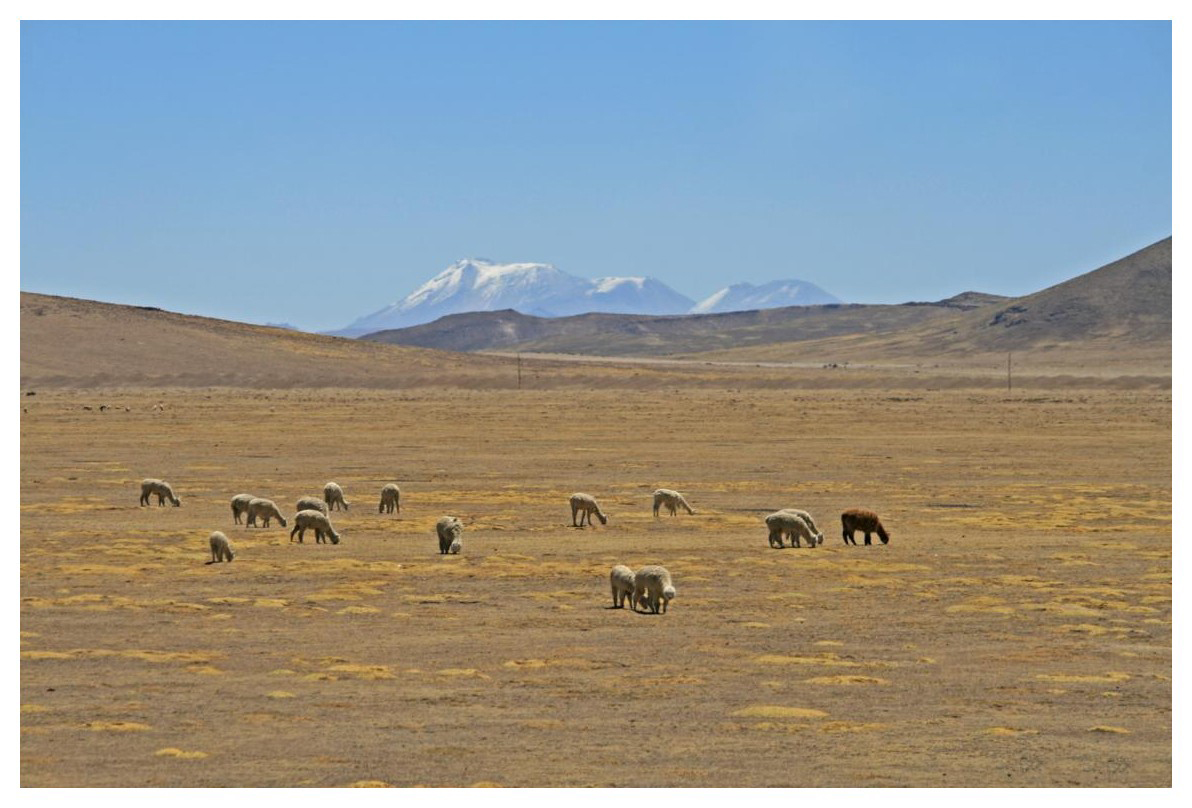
pixel 806 517
pixel 390 499
pixel 585 505
pixel 240 506
pixel 263 509
pixel 652 588
pixel 221 548
pixel 449 530
pixel 333 495
pixel 311 504
pixel 785 523
pixel 161 489
pixel 313 520
pixel 621 580
pixel 673 500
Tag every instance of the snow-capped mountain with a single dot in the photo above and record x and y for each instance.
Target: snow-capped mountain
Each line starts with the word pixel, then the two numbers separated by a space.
pixel 634 296
pixel 478 284
pixel 772 295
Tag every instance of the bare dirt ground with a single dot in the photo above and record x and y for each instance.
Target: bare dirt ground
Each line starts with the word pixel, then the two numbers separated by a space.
pixel 1015 631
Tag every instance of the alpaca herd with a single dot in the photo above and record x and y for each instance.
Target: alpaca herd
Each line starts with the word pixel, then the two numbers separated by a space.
pixel 649 589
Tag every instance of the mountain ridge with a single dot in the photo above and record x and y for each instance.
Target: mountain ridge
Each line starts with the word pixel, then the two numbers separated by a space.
pixel 1128 299
pixel 479 284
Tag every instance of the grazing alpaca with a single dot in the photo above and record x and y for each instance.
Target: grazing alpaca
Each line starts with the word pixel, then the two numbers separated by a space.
pixel 390 499
pixel 240 506
pixel 786 523
pixel 314 520
pixel 449 530
pixel 671 499
pixel 263 509
pixel 652 588
pixel 866 521
pixel 221 548
pixel 621 580
pixel 585 505
pixel 161 489
pixel 806 517
pixel 333 495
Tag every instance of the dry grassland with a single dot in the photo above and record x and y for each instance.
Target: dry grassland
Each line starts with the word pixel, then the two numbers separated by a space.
pixel 1015 631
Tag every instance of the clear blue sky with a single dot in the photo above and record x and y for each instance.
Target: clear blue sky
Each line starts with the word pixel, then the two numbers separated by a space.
pixel 314 172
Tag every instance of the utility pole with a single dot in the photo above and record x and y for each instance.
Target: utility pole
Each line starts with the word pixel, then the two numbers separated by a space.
pixel 519 370
pixel 1009 379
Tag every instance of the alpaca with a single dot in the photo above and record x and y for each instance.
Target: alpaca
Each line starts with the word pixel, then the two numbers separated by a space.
pixel 449 529
pixel 671 499
pixel 585 505
pixel 866 521
pixel 390 499
pixel 316 521
pixel 652 588
pixel 621 581
pixel 240 506
pixel 333 495
pixel 163 491
pixel 221 548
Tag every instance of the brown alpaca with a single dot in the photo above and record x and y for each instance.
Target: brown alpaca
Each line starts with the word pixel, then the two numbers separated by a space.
pixel 866 521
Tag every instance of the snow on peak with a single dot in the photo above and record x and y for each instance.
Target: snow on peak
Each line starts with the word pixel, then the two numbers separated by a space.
pixel 772 295
pixel 602 285
pixel 479 284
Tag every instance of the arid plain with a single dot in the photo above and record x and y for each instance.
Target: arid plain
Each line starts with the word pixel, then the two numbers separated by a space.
pixel 1015 631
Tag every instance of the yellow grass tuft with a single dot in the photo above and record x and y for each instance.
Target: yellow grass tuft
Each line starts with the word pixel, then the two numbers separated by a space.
pixel 370 784
pixel 116 726
pixel 1113 730
pixel 280 694
pixel 174 752
pixel 1112 676
pixel 776 711
pixel 846 679
pixel 1009 731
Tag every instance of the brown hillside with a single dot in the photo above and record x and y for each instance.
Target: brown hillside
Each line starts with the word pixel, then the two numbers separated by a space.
pixel 82 343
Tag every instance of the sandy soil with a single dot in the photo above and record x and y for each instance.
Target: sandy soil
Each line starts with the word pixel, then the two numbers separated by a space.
pixel 1015 631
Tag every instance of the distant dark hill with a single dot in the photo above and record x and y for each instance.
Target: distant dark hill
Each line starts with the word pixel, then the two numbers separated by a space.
pixel 1129 299
pixel 1122 309
pixel 644 335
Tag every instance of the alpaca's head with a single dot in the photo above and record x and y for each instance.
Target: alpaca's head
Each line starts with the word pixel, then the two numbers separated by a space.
pixel 281 519
pixel 668 593
pixel 333 536
pixel 175 501
pixel 603 519
pixel 819 539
